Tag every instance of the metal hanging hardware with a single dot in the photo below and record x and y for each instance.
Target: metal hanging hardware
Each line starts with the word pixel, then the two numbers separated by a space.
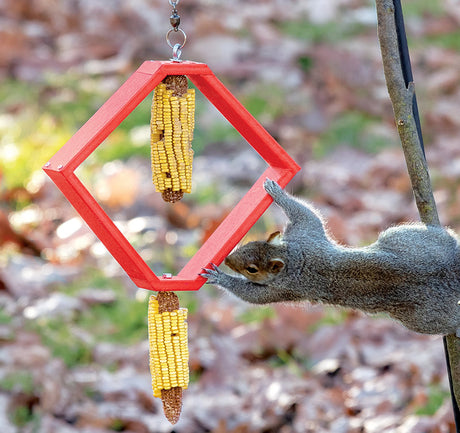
pixel 174 20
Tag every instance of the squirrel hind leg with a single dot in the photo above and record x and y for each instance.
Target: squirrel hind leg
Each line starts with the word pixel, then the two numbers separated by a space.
pixel 457 334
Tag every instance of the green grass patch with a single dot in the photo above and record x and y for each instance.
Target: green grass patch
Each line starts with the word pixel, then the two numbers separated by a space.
pixel 61 337
pixel 436 397
pixel 332 316
pixel 70 98
pixel 189 300
pixel 291 361
pixel 449 41
pixel 5 318
pixel 72 338
pixel 220 131
pixel 306 63
pixel 419 8
pixel 209 193
pixel 16 96
pixel 123 143
pixel 353 129
pixel 265 102
pixel 18 381
pixel 123 322
pixel 117 425
pixel 94 278
pixel 26 143
pixel 43 117
pixel 256 315
pixel 23 415
pixel 329 32
pixel 47 114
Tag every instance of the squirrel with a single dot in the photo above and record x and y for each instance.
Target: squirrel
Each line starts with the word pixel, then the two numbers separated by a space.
pixel 412 272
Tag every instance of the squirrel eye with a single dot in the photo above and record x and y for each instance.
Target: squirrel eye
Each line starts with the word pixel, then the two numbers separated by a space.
pixel 252 269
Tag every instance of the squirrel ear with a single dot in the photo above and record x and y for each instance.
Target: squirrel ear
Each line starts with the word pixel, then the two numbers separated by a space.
pixel 274 238
pixel 275 265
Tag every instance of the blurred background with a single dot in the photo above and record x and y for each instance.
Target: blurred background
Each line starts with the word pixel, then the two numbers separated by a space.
pixel 73 327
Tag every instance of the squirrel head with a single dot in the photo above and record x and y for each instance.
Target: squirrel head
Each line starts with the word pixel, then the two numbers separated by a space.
pixel 259 261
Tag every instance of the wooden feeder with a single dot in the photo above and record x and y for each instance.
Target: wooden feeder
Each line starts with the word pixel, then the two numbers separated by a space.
pixel 61 169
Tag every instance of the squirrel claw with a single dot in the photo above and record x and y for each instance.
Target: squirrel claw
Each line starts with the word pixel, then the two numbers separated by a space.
pixel 272 187
pixel 211 274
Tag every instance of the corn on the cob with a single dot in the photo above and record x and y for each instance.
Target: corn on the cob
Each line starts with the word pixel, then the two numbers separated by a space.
pixel 168 351
pixel 171 125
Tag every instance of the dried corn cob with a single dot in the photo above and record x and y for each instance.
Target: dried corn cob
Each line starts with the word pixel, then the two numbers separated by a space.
pixel 168 351
pixel 171 127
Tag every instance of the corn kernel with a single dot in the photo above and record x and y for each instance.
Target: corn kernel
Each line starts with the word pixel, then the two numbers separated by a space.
pixel 172 123
pixel 168 348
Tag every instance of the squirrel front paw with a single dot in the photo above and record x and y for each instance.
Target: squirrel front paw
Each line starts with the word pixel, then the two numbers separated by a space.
pixel 214 275
pixel 272 188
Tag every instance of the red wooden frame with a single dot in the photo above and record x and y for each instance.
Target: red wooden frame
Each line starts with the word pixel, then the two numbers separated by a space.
pixel 60 168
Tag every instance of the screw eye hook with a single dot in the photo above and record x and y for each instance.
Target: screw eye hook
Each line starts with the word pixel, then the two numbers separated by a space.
pixel 177 51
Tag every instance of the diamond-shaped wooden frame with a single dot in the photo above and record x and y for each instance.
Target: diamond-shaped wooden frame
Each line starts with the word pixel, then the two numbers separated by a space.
pixel 60 168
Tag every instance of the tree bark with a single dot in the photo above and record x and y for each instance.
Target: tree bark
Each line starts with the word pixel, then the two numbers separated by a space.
pixel 402 99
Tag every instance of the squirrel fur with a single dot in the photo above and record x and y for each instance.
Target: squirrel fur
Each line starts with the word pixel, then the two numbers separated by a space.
pixel 412 272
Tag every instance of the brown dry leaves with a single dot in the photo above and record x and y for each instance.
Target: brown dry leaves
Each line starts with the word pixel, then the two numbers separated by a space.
pixel 299 369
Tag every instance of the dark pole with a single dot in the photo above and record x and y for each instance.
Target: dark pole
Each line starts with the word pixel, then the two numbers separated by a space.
pixel 407 74
pixel 405 63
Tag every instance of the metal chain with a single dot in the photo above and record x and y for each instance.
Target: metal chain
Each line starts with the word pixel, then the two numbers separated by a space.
pixel 174 20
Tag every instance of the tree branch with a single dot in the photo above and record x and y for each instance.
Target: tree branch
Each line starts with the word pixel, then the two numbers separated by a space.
pixel 403 98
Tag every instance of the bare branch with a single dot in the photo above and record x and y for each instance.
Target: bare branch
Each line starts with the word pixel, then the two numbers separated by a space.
pixel 402 100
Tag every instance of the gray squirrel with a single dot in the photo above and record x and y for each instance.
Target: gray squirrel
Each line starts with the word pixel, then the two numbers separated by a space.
pixel 412 272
